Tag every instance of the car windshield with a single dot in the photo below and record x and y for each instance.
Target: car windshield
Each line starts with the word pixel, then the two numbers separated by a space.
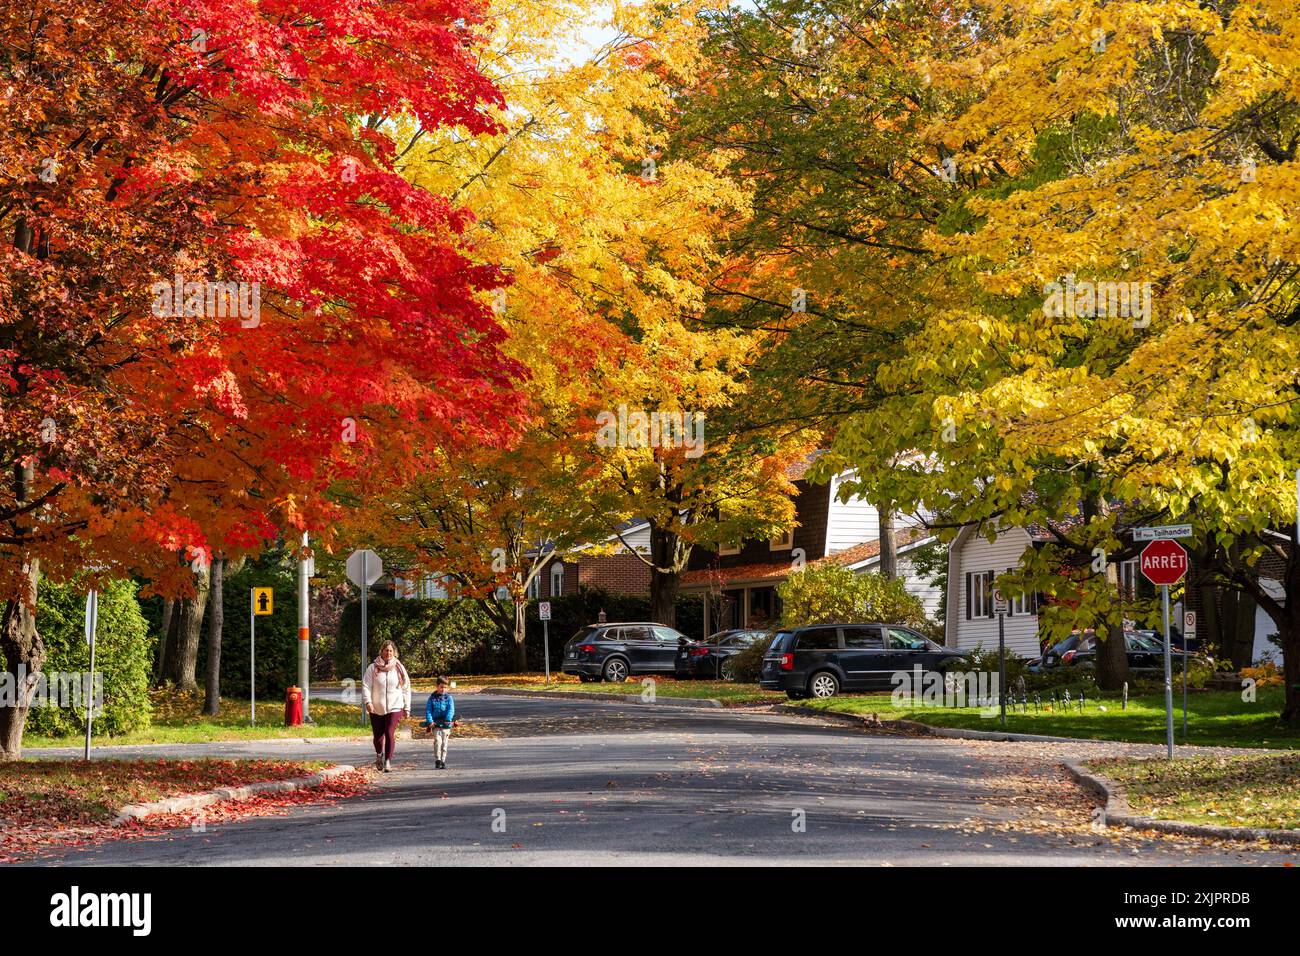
pixel 1140 642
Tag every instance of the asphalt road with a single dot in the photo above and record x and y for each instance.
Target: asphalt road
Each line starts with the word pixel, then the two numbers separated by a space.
pixel 576 782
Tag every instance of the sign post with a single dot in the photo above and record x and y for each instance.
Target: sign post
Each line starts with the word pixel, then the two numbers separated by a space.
pixel 261 603
pixel 364 568
pixel 92 625
pixel 1189 631
pixel 1000 607
pixel 306 568
pixel 544 612
pixel 1164 562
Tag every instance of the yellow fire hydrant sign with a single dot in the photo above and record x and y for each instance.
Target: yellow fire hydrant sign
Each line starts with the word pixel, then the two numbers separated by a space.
pixel 263 601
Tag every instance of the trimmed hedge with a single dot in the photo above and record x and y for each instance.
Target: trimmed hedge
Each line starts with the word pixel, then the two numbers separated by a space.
pixel 437 637
pixel 123 655
pixel 277 633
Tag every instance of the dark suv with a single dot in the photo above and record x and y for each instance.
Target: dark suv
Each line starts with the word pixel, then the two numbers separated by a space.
pixel 613 651
pixel 822 659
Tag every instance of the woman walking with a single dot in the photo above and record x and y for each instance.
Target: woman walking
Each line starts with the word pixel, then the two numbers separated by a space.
pixel 386 692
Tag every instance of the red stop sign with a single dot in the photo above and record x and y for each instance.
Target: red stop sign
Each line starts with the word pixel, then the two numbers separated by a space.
pixel 1164 562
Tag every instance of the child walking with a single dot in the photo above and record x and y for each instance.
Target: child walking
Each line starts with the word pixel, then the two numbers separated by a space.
pixel 440 715
pixel 386 692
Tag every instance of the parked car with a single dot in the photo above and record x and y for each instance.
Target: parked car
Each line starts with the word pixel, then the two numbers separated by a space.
pixel 612 652
pixel 708 658
pixel 823 659
pixel 1145 653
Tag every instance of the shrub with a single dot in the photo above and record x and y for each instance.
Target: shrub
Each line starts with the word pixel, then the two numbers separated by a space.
pixel 277 633
pixel 746 666
pixel 123 655
pixel 831 592
pixel 432 637
pixel 979 659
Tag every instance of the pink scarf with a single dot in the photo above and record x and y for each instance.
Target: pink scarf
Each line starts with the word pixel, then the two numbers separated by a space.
pixel 395 663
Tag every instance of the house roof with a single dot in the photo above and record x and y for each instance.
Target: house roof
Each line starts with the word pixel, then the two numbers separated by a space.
pixel 776 572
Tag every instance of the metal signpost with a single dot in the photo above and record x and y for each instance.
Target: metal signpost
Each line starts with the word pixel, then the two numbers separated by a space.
pixel 306 568
pixel 261 602
pixel 364 569
pixel 1000 607
pixel 1164 562
pixel 92 625
pixel 544 612
pixel 1189 631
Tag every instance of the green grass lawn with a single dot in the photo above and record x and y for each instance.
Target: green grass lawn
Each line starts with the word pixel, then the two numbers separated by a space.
pixel 178 719
pixel 728 693
pixel 1215 718
pixel 1250 790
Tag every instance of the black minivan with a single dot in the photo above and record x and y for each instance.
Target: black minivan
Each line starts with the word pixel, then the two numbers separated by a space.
pixel 822 659
pixel 613 651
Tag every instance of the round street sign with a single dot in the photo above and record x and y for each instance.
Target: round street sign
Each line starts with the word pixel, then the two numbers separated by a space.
pixel 1164 562
pixel 374 568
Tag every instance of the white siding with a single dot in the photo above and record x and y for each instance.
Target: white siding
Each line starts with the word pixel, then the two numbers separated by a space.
pixel 639 539
pixel 977 554
pixel 429 587
pixel 852 522
pixel 921 587
pixel 1264 626
pixel 849 522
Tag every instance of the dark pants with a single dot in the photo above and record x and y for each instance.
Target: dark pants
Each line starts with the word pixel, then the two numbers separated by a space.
pixel 384 727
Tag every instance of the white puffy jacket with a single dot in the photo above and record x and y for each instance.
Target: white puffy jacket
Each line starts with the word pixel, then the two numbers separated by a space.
pixel 382 691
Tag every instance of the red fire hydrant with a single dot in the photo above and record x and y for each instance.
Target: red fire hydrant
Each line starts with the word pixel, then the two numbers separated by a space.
pixel 293 707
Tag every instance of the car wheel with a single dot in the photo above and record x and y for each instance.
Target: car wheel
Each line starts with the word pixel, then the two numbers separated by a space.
pixel 823 684
pixel 615 670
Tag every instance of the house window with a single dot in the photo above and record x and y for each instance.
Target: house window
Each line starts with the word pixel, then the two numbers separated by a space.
pixel 535 586
pixel 784 542
pixel 724 549
pixel 979 603
pixel 557 579
pixel 1025 604
pixel 1128 580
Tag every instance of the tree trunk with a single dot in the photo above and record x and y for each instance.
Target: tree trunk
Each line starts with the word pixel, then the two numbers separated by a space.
pixel 216 616
pixel 170 645
pixel 888 546
pixel 664 583
pixel 520 635
pixel 24 655
pixel 1112 659
pixel 1243 645
pixel 20 641
pixel 183 663
pixel 1289 633
pixel 164 640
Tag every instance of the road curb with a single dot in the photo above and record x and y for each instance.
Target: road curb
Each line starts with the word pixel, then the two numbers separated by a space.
pixel 912 726
pixel 710 703
pixel 197 801
pixel 1117 813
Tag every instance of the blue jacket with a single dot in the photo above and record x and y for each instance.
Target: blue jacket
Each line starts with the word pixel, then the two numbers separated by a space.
pixel 440 710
